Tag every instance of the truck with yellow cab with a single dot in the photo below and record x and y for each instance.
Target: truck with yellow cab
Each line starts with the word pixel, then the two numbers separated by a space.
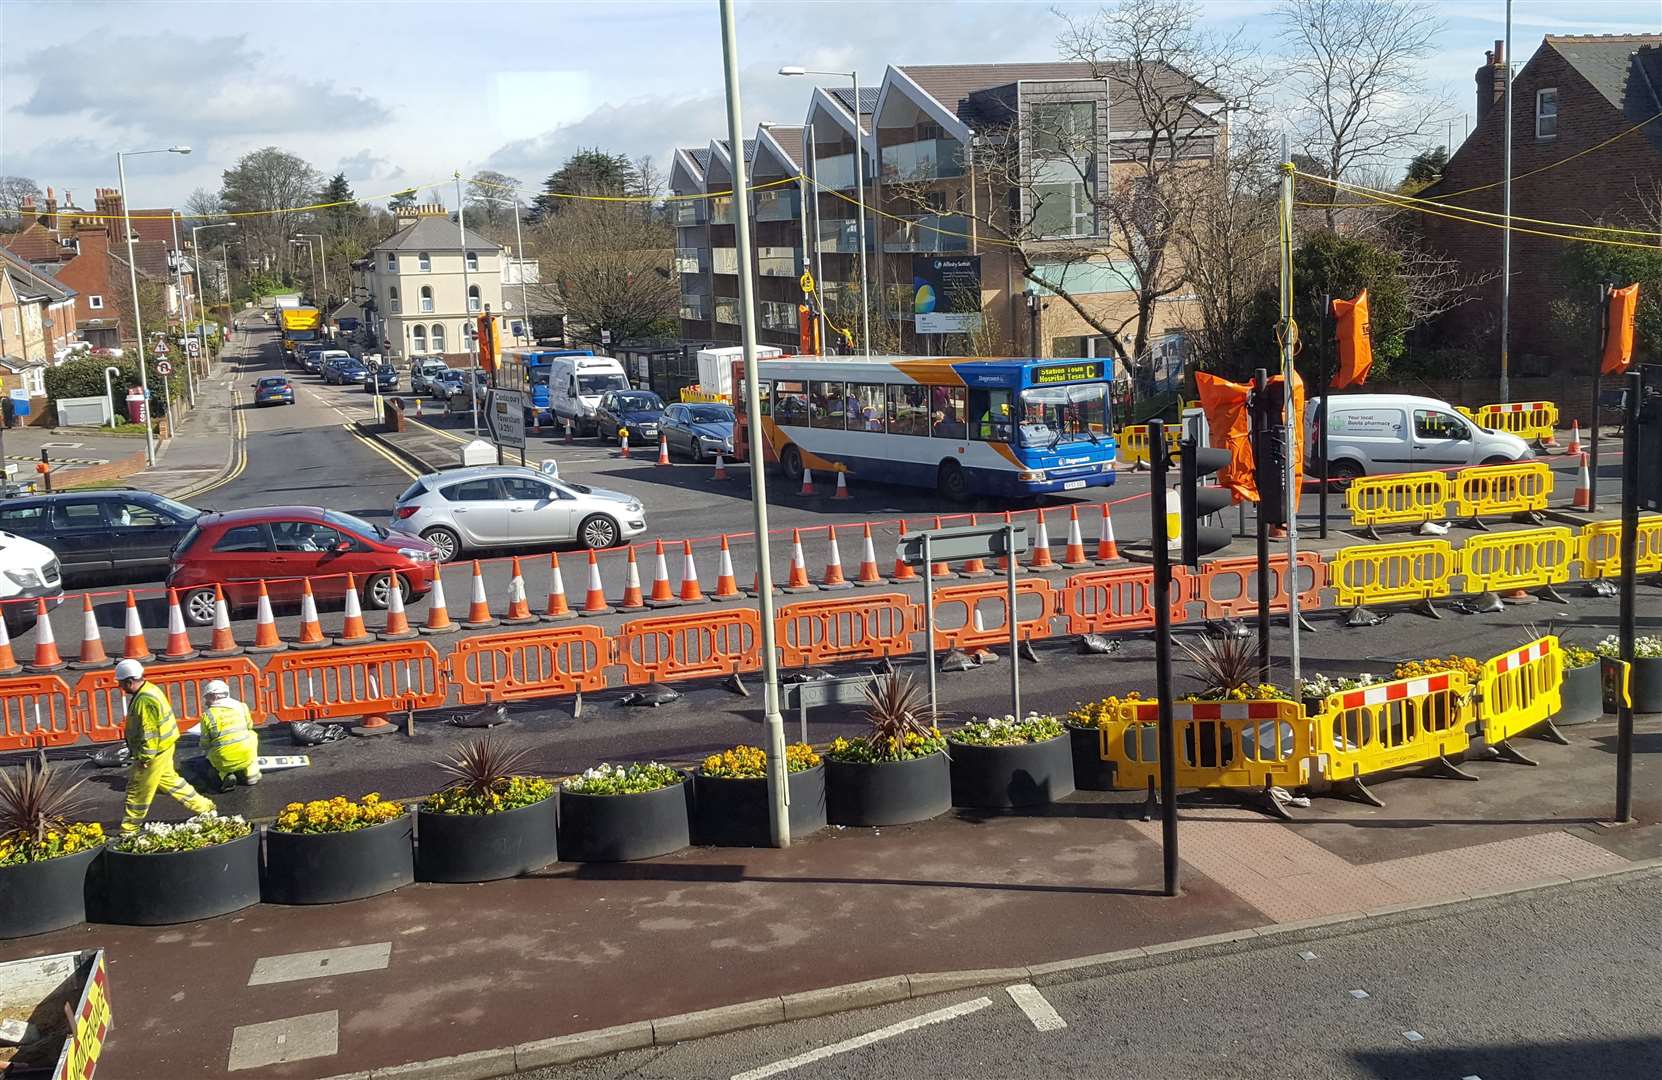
pixel 298 325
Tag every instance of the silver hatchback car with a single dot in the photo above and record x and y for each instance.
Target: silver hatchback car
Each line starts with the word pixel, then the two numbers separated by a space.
pixel 494 506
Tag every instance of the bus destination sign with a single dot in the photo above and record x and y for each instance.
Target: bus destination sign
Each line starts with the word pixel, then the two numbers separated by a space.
pixel 1061 373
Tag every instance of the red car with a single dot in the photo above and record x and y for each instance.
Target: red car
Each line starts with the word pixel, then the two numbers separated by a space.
pixel 284 545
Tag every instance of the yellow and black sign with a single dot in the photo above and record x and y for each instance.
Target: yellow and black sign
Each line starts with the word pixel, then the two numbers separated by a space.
pixel 1061 373
pixel 92 1025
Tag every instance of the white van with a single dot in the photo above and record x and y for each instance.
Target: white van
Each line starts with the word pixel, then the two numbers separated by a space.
pixel 1387 433
pixel 28 571
pixel 576 384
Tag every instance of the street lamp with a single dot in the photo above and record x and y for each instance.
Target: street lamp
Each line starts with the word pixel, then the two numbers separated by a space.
pixel 467 309
pixel 860 193
pixel 132 280
pixel 202 307
pixel 519 244
pixel 311 261
pixel 323 257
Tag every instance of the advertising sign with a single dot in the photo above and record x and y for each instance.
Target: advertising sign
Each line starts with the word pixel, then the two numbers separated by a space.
pixel 946 293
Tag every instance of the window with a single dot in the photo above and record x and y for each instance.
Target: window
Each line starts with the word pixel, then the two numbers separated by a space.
pixel 792 398
pixel 95 302
pixel 424 262
pixel 946 411
pixel 1064 129
pixel 990 415
pixel 126 514
pixel 473 261
pixel 1546 113
pixel 764 395
pixel 426 298
pixel 1430 424
pixel 482 490
pixel 826 405
pixel 392 299
pixel 520 487
pixel 303 537
pixel 243 538
pixel 866 406
pixel 86 515
pixel 418 339
pixel 908 410
pixel 473 298
pixel 392 263
pixel 1063 209
pixel 438 337
pixel 22 518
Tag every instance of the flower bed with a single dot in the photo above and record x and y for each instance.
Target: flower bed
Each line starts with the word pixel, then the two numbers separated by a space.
pixel 897 772
pixel 1001 763
pixel 169 873
pixel 492 821
pixel 173 838
pixel 636 778
pixel 731 804
pixel 45 850
pixel 1470 666
pixel 1085 722
pixel 617 813
pixel 332 850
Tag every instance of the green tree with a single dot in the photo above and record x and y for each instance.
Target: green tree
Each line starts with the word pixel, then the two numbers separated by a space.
pixel 587 172
pixel 273 182
pixel 83 376
pixel 1584 268
pixel 1426 169
pixel 403 200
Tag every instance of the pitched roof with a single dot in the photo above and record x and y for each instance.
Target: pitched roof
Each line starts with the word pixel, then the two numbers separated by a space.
pixel 435 232
pixel 952 84
pixel 1626 69
pixel 37 243
pixel 789 140
pixel 845 97
pixel 156 224
pixel 702 156
pixel 30 282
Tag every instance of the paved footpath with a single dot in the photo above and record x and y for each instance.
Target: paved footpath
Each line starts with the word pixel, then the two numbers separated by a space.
pixel 437 971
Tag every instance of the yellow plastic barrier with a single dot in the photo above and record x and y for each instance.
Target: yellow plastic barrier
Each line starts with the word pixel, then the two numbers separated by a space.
pixel 1133 441
pixel 693 395
pixel 1412 570
pixel 1249 745
pixel 1389 725
pixel 1525 419
pixel 1519 690
pixel 1601 550
pixel 1530 559
pixel 1520 488
pixel 1401 499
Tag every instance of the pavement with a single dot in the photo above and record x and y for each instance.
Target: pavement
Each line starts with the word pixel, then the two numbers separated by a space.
pixel 206 448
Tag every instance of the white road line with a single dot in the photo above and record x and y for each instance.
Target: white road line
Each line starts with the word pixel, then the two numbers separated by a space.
pixel 1030 1001
pixel 951 1012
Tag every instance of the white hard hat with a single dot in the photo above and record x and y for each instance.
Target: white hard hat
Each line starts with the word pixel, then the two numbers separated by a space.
pixel 128 669
pixel 216 688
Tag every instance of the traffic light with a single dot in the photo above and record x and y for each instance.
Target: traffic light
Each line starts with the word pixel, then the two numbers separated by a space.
pixel 1196 501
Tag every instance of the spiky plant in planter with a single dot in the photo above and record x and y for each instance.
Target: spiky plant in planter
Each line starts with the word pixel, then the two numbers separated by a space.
pixel 1227 669
pixel 904 725
pixel 40 808
pixel 487 777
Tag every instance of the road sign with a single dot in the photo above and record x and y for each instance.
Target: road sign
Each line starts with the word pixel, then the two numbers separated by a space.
pixel 605 337
pixel 505 416
pixel 963 542
pixel 193 347
pixel 164 368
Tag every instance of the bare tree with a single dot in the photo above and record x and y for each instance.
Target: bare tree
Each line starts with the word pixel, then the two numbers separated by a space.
pixel 610 266
pixel 202 206
pixel 1352 76
pixel 14 190
pixel 276 181
pixel 490 204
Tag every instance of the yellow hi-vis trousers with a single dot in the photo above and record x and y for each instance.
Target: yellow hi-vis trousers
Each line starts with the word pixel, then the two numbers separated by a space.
pixel 146 778
pixel 241 756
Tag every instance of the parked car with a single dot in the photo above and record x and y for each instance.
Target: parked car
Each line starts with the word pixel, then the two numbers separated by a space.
pixel 462 399
pixel 29 572
pixel 422 369
pixel 699 430
pixel 441 384
pixel 1385 433
pixel 101 535
pixel 273 390
pixel 344 371
pixel 485 506
pixel 636 411
pixel 382 376
pixel 282 546
pixel 328 357
pixel 310 356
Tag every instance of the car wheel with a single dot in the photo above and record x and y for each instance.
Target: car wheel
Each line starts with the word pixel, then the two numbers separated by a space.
pixel 446 542
pixel 951 482
pixel 790 459
pixel 199 607
pixel 378 590
pixel 1344 473
pixel 698 455
pixel 597 531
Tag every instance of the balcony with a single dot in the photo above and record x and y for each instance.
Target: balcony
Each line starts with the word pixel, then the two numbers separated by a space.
pixel 778 261
pixel 929 233
pixel 836 172
pixel 839 237
pixel 721 210
pixel 691 261
pixel 695 308
pixel 926 159
pixel 727 310
pixel 725 260
pixel 689 212
pixel 778 204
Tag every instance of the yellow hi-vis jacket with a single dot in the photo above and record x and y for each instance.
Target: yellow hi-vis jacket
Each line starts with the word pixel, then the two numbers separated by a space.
pixel 228 732
pixel 151 728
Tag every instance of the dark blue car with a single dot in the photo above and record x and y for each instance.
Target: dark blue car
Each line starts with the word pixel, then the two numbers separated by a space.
pixel 699 430
pixel 273 390
pixel 636 411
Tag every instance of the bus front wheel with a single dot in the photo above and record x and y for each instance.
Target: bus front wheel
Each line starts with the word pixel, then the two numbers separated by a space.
pixel 790 459
pixel 951 482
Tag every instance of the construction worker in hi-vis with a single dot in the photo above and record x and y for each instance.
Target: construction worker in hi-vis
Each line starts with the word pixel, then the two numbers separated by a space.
pixel 228 737
pixel 151 732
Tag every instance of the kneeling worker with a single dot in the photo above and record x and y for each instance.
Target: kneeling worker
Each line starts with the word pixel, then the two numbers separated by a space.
pixel 151 732
pixel 228 737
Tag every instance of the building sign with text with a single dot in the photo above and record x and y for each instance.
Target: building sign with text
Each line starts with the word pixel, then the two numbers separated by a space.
pixel 946 293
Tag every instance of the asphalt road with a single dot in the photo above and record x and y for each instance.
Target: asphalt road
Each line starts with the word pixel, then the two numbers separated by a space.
pixel 1551 985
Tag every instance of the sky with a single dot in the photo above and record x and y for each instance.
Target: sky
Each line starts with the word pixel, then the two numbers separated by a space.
pixel 397 95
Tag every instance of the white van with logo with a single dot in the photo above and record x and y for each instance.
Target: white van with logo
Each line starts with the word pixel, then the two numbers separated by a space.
pixel 576 385
pixel 1370 434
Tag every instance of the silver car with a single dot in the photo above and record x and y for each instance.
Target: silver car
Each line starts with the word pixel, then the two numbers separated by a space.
pixel 494 506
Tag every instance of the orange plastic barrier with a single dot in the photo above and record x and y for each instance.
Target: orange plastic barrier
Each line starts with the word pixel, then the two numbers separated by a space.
pixel 364 680
pixel 103 707
pixel 35 712
pixel 529 663
pixel 851 628
pixel 967 598
pixel 1229 587
pixel 1107 601
pixel 691 646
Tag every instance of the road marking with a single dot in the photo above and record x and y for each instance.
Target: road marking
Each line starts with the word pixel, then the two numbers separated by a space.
pixel 240 452
pixel 1030 1001
pixel 293 967
pixel 951 1012
pixel 397 462
pixel 294 1039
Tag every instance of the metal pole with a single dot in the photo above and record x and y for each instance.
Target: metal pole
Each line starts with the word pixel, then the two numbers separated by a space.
pixel 778 782
pixel 929 615
pixel 467 309
pixel 184 305
pixel 1260 428
pixel 1630 555
pixel 1506 218
pixel 1598 408
pixel 138 321
pixel 524 297
pixel 819 258
pixel 1162 652
pixel 1326 392
pixel 1290 421
pixel 860 228
pixel 1015 622
pixel 201 305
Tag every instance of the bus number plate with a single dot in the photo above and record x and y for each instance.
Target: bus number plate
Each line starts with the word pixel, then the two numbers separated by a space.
pixel 1073 485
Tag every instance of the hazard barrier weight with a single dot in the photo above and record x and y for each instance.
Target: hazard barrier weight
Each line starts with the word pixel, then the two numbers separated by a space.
pixel 364 680
pixel 103 706
pixel 851 628
pixel 35 712
pixel 691 646
pixel 544 662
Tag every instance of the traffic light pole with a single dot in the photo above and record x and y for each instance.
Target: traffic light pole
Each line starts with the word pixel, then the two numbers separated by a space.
pixel 1259 420
pixel 1629 555
pixel 1326 391
pixel 1160 543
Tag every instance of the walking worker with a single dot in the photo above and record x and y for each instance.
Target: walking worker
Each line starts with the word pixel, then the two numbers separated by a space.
pixel 228 737
pixel 151 732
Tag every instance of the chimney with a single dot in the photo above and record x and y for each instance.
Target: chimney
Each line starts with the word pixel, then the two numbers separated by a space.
pixel 51 209
pixel 1491 80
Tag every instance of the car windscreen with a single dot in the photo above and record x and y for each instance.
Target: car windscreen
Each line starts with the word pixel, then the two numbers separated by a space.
pixel 599 384
pixel 188 539
pixel 354 524
pixel 639 402
pixel 177 509
pixel 712 414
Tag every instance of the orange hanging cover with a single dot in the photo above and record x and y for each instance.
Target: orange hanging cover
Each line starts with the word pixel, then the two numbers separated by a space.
pixel 1225 406
pixel 1619 317
pixel 1355 336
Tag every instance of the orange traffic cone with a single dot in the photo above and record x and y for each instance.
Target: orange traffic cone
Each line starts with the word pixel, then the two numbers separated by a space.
pixel 46 646
pixel 558 609
pixel 398 623
pixel 869 574
pixel 311 627
pixel 1075 555
pixel 8 661
pixel 353 631
pixel 519 605
pixel 691 593
pixel 807 481
pixel 632 599
pixel 902 569
pixel 265 627
pixel 798 581
pixel 842 484
pixel 721 468
pixel 178 638
pixel 1041 559
pixel 92 643
pixel 1106 549
pixel 1583 498
pixel 1575 437
pixel 134 647
pixel 727 587
pixel 623 443
pixel 222 643
pixel 595 602
pixel 478 608
pixel 834 565
pixel 438 612
pixel 568 431
pixel 940 569
pixel 663 450
pixel 663 595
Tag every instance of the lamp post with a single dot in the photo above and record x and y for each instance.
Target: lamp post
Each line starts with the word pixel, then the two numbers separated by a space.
pixel 860 193
pixel 519 247
pixel 322 257
pixel 202 307
pixel 132 280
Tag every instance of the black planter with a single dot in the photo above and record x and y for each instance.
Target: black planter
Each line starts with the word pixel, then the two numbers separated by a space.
pixel 1646 685
pixel 1004 777
pixel 49 895
pixel 621 828
pixel 1583 702
pixel 330 868
pixel 888 792
pixel 485 847
pixel 736 811
pixel 159 890
pixel 1090 772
